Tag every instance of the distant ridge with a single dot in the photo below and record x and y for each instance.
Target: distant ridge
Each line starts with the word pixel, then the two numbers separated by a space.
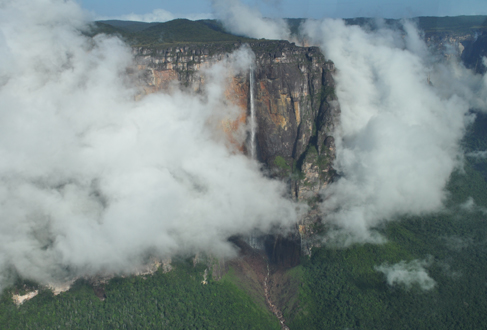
pixel 129 26
pixel 205 31
pixel 431 24
pixel 175 31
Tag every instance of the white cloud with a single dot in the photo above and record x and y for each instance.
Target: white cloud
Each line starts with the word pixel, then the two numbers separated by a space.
pixel 470 206
pixel 408 274
pixel 94 181
pixel 241 19
pixel 477 154
pixel 398 139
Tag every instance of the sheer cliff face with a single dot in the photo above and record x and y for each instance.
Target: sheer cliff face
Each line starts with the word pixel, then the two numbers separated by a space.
pixel 469 47
pixel 295 103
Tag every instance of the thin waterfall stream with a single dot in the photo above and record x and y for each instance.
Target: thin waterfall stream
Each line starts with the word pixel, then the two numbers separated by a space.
pixel 253 148
pixel 253 124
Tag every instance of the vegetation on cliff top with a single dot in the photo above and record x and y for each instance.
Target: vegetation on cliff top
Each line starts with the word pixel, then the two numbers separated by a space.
pixel 139 34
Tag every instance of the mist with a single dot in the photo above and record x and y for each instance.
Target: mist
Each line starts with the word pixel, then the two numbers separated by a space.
pixel 408 274
pixel 95 182
pixel 404 110
pixel 241 19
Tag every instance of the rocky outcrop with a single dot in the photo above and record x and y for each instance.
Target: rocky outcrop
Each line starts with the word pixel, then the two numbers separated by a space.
pixel 449 44
pixel 295 103
pixel 469 47
pixel 20 299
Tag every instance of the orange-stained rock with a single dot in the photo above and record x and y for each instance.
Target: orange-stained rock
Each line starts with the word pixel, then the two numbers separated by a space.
pixel 236 93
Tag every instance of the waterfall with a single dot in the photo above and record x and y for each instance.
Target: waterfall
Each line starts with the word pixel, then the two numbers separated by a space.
pixel 253 239
pixel 253 125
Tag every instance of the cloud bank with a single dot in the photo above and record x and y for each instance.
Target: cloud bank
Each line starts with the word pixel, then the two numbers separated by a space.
pixel 398 140
pixel 403 112
pixel 93 181
pixel 408 274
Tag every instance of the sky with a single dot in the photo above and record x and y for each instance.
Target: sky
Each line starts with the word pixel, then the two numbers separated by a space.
pixel 196 9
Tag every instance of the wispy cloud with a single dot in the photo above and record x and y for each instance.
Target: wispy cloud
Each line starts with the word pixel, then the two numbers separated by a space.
pixel 477 154
pixel 241 19
pixel 408 274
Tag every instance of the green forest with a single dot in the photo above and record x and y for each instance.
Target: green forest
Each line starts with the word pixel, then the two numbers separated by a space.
pixel 174 300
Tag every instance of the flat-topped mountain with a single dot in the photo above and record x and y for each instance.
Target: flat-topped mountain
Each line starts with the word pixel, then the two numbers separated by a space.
pixel 175 31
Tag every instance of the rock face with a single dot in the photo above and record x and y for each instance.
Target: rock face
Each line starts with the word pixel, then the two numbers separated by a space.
pixel 449 44
pixel 295 103
pixel 20 299
pixel 469 47
pixel 474 53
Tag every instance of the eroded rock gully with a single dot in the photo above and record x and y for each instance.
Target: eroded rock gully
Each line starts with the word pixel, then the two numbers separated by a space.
pixel 263 277
pixel 273 308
